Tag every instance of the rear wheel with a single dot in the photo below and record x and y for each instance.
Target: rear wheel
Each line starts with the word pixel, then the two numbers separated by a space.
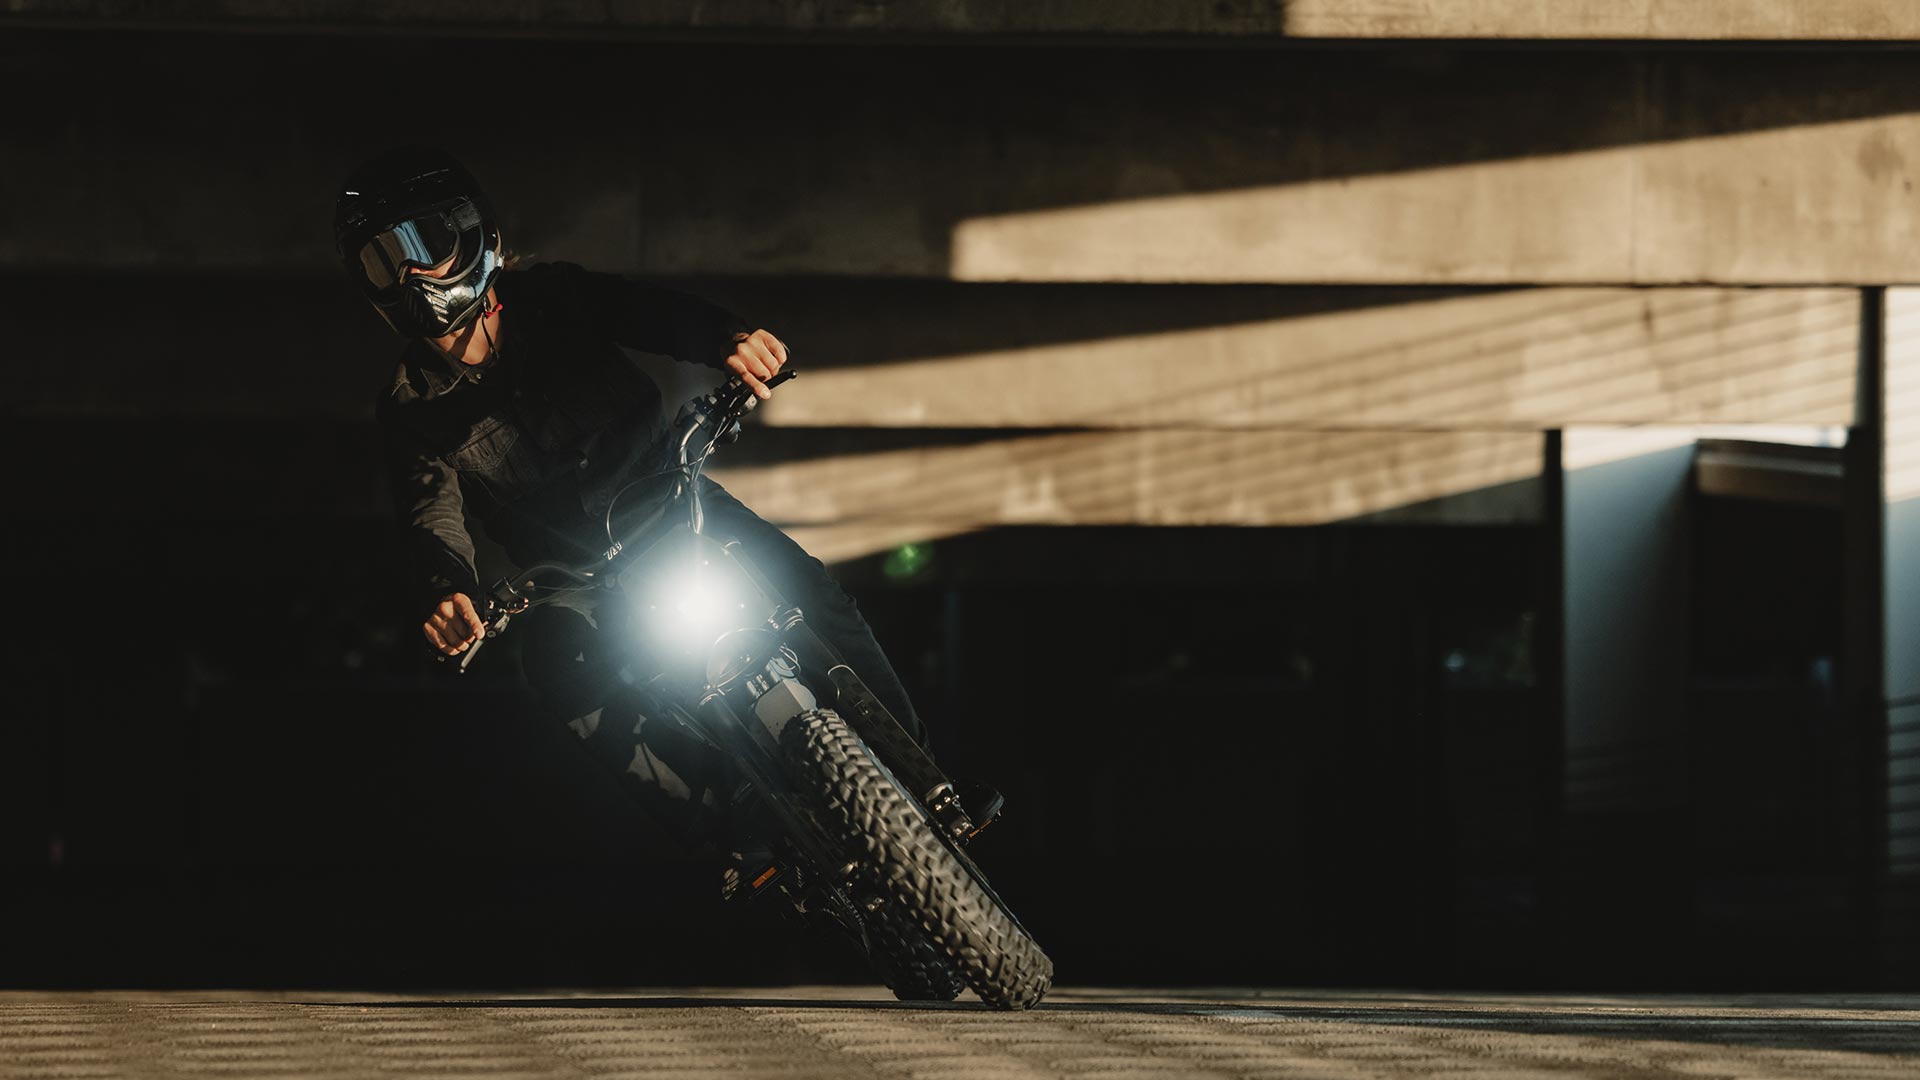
pixel 923 880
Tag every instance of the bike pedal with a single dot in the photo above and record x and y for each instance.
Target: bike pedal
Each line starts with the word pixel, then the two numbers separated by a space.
pixel 748 878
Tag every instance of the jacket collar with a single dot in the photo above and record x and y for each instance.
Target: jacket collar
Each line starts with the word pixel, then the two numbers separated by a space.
pixel 432 374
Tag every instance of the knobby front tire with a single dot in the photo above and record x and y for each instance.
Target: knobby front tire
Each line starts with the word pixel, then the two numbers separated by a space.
pixel 899 848
pixel 915 968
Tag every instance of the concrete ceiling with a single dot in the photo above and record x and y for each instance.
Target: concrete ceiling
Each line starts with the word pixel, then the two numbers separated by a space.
pixel 1246 20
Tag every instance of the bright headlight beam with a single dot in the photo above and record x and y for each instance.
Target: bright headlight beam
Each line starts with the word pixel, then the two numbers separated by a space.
pixel 698 603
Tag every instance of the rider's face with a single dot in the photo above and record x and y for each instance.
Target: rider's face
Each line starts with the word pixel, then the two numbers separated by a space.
pixel 440 271
pixel 456 345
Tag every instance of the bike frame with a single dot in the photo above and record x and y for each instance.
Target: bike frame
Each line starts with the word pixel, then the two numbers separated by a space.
pixel 789 669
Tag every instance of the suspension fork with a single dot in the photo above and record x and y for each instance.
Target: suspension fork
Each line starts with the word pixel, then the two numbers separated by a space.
pixel 860 707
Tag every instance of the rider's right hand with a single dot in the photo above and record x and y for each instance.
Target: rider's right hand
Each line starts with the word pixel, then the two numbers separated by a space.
pixel 453 625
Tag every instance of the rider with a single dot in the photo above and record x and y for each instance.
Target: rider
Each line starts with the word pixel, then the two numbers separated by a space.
pixel 516 402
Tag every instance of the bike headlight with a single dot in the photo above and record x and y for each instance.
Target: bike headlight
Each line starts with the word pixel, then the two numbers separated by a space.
pixel 697 604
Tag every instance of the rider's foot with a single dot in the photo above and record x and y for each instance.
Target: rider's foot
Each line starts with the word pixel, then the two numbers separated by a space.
pixel 981 802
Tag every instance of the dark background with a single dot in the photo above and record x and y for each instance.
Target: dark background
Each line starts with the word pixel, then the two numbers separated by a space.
pixel 1307 755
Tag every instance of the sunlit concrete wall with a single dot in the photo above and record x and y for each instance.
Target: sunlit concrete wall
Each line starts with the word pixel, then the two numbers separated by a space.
pixel 868 501
pixel 1724 20
pixel 1527 358
pixel 1302 419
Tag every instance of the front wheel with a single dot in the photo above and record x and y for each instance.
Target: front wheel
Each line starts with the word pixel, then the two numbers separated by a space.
pixel 914 968
pixel 898 848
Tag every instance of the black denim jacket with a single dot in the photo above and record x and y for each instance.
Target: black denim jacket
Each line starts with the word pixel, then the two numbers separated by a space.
pixel 538 442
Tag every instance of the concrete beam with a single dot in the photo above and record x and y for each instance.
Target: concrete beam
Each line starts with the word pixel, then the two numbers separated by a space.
pixel 1534 358
pixel 843 493
pixel 1770 472
pixel 1801 203
pixel 1019 164
pixel 844 506
pixel 1639 20
pixel 931 355
pixel 1256 20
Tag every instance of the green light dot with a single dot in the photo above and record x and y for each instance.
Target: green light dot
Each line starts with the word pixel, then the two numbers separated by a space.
pixel 907 560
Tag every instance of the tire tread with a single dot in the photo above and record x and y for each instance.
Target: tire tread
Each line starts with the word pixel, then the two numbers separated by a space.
pixel 893 838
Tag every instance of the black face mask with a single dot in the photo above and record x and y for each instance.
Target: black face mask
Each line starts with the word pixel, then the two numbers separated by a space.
pixel 396 263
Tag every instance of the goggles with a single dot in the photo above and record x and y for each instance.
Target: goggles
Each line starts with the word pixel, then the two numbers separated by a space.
pixel 422 243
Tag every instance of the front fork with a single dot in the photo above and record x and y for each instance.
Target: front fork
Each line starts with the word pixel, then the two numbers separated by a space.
pixel 857 704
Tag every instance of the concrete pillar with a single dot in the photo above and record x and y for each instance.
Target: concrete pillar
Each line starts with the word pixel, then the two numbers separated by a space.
pixel 1626 600
pixel 1899 494
pixel 1626 620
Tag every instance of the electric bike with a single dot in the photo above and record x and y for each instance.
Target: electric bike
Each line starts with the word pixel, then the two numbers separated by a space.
pixel 861 828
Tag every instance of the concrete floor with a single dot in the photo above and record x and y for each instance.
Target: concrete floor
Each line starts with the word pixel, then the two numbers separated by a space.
pixel 852 1032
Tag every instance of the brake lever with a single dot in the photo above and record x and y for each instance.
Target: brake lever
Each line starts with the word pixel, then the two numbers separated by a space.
pixel 473 650
pixel 498 616
pixel 741 401
pixel 494 629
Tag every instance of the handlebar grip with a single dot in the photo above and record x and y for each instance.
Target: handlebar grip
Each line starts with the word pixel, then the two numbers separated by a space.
pixel 736 384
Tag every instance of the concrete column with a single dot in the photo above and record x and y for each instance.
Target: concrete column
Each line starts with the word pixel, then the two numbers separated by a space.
pixel 1899 493
pixel 1627 611
pixel 1626 601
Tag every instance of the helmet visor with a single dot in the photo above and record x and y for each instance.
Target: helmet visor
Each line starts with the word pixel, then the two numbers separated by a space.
pixel 422 243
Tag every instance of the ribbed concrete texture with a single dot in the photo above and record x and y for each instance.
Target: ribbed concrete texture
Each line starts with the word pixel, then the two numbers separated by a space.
pixel 847 1032
pixel 1706 20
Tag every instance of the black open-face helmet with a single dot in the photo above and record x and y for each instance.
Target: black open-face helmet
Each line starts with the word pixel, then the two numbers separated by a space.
pixel 417 208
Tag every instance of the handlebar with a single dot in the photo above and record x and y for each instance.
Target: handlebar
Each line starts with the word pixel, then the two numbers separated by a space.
pixel 725 406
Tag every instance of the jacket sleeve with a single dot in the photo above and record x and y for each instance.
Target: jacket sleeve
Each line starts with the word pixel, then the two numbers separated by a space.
pixel 655 319
pixel 431 515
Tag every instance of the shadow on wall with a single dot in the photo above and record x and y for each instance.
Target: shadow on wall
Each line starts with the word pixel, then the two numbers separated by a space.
pixel 1246 406
pixel 678 157
pixel 218 343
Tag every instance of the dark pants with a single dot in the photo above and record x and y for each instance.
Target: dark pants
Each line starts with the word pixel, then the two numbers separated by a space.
pixel 573 658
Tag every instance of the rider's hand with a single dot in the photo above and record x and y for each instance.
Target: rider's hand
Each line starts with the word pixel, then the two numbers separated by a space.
pixel 756 358
pixel 453 625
